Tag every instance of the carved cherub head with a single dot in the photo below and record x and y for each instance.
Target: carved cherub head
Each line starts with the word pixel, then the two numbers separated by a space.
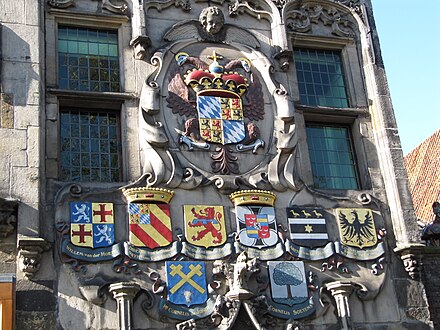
pixel 212 19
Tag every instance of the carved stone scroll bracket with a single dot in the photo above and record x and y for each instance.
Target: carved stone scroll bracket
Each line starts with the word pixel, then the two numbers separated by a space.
pixel 284 57
pixel 8 216
pixel 61 3
pixel 124 293
pixel 140 46
pixel 29 254
pixel 411 256
pixel 341 292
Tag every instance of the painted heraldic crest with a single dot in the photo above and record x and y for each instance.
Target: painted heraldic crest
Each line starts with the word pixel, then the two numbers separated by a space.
pixel 150 225
pixel 92 224
pixel 186 282
pixel 255 215
pixel 307 226
pixel 356 227
pixel 205 225
pixel 288 282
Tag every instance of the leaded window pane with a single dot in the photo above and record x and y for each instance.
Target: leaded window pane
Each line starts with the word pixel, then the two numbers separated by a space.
pixel 332 157
pixel 90 146
pixel 320 78
pixel 88 59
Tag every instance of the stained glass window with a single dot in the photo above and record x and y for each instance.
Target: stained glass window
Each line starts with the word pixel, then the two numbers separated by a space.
pixel 332 157
pixel 88 59
pixel 320 78
pixel 90 146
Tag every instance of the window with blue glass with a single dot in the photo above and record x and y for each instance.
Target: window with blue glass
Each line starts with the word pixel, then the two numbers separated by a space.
pixel 88 59
pixel 90 146
pixel 332 156
pixel 320 78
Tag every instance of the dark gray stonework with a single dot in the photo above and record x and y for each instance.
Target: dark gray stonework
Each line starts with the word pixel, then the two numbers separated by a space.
pixel 215 208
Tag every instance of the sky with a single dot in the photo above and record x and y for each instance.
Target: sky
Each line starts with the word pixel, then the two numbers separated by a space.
pixel 409 35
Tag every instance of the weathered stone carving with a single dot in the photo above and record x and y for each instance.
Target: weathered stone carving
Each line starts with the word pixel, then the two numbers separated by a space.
pixel 284 57
pixel 210 27
pixel 302 18
pixel 140 45
pixel 8 217
pixel 411 258
pixel 242 269
pixel 412 265
pixel 61 3
pixel 29 254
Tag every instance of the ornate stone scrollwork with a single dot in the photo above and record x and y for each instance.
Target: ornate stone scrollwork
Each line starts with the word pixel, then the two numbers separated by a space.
pixel 301 19
pixel 8 218
pixel 160 5
pixel 354 4
pixel 120 7
pixel 30 250
pixel 61 3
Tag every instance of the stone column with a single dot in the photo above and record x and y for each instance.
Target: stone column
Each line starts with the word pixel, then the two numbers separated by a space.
pixel 341 292
pixel 124 293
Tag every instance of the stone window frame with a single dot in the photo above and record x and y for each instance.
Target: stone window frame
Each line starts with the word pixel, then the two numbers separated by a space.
pixel 351 65
pixel 356 116
pixel 88 56
pixel 327 165
pixel 57 99
pixel 73 111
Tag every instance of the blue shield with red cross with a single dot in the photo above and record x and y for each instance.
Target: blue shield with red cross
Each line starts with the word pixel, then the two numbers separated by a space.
pixel 92 224
pixel 221 118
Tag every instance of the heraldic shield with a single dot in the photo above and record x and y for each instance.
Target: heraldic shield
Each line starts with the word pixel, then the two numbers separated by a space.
pixel 205 225
pixel 288 282
pixel 221 118
pixel 255 215
pixel 92 224
pixel 307 226
pixel 186 282
pixel 150 225
pixel 356 227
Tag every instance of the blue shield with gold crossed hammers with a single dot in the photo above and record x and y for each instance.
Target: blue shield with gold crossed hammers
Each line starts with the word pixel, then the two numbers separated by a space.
pixel 186 282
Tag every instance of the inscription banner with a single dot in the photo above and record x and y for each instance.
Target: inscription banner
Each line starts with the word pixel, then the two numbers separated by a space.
pixel 269 253
pixel 357 254
pixel 89 254
pixel 309 253
pixel 181 312
pixel 199 253
pixel 158 254
pixel 298 311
